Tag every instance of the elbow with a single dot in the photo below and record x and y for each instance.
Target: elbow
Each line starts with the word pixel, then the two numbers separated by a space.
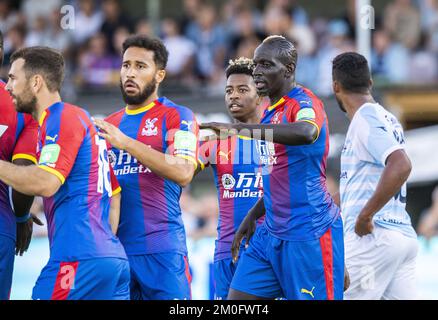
pixel 185 179
pixel 47 191
pixel 310 134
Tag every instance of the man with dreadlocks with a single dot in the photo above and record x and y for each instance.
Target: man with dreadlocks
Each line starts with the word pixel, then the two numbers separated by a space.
pixel 235 165
pixel 298 252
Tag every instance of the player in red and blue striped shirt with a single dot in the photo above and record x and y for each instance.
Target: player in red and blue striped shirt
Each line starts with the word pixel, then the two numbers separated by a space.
pixel 18 140
pixel 236 168
pixel 87 261
pixel 154 145
pixel 298 253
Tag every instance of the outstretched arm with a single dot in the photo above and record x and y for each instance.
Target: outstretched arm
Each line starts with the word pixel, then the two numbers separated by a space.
pixel 292 134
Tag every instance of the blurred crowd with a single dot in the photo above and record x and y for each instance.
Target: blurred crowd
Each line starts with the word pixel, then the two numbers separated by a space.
pixel 203 38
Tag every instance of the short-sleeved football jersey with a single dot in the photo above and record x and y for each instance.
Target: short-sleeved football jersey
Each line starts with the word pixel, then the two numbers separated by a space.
pixel 374 134
pixel 78 214
pixel 239 183
pixel 298 205
pixel 18 140
pixel 150 218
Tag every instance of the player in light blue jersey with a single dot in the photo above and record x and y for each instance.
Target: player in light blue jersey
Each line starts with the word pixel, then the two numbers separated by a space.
pixel 380 243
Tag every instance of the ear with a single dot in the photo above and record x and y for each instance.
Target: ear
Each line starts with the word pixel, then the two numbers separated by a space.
pixel 160 75
pixel 336 86
pixel 36 83
pixel 290 70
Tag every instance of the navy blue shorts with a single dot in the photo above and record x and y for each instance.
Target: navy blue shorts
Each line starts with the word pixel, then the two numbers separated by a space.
pixel 7 256
pixel 296 270
pixel 94 279
pixel 160 276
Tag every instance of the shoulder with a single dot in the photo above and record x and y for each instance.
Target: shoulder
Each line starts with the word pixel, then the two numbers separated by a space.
pixel 173 108
pixel 303 98
pixel 114 117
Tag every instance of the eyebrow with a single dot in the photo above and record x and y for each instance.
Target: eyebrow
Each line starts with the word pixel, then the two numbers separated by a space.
pixel 135 61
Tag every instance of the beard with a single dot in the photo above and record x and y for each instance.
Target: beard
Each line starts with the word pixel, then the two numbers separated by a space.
pixel 341 105
pixel 142 96
pixel 26 103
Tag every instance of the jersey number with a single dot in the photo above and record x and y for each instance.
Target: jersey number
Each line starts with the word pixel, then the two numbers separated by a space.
pixel 104 182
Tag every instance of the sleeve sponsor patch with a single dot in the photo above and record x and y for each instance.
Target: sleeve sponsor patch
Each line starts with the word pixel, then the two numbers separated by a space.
pixel 185 140
pixel 50 154
pixel 306 114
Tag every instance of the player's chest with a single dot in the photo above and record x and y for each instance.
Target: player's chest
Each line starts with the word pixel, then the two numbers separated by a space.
pixel 150 131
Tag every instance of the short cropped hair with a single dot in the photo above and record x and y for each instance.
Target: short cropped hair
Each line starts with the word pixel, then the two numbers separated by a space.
pixel 287 53
pixel 351 70
pixel 161 55
pixel 45 61
pixel 240 66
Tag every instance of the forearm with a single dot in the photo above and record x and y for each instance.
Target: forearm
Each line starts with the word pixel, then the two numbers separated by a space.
pixel 337 199
pixel 115 212
pixel 292 134
pixel 22 203
pixel 170 167
pixel 29 180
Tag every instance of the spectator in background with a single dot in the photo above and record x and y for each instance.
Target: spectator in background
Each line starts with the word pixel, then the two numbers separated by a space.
pixel 97 66
pixel 429 20
pixel 338 42
pixel 246 32
pixel 389 60
pixel 113 18
pixel 37 33
pixel 296 12
pixel 56 37
pixel 8 17
pixel 89 20
pixel 402 22
pixel 144 27
pixel 41 8
pixel 423 66
pixel 181 52
pixel 209 38
pixel 120 35
pixel 428 226
pixel 190 10
pixel 14 40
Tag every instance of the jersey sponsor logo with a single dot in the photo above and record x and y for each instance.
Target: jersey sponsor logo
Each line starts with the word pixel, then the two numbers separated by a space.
pixel 3 129
pixel 124 164
pixel 150 129
pixel 309 292
pixel 306 114
pixel 185 140
pixel 243 187
pixel 50 154
pixel 53 139
pixel 344 175
pixel 266 150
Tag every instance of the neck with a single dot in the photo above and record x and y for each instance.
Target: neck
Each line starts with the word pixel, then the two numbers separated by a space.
pixel 145 103
pixel 44 102
pixel 283 91
pixel 354 101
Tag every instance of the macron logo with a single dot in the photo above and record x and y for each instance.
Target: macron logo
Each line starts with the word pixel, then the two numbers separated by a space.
pixel 3 130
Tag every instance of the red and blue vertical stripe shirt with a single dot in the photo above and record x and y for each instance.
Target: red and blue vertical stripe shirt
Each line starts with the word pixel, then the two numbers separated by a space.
pixel 18 140
pixel 298 205
pixel 78 214
pixel 236 169
pixel 150 218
